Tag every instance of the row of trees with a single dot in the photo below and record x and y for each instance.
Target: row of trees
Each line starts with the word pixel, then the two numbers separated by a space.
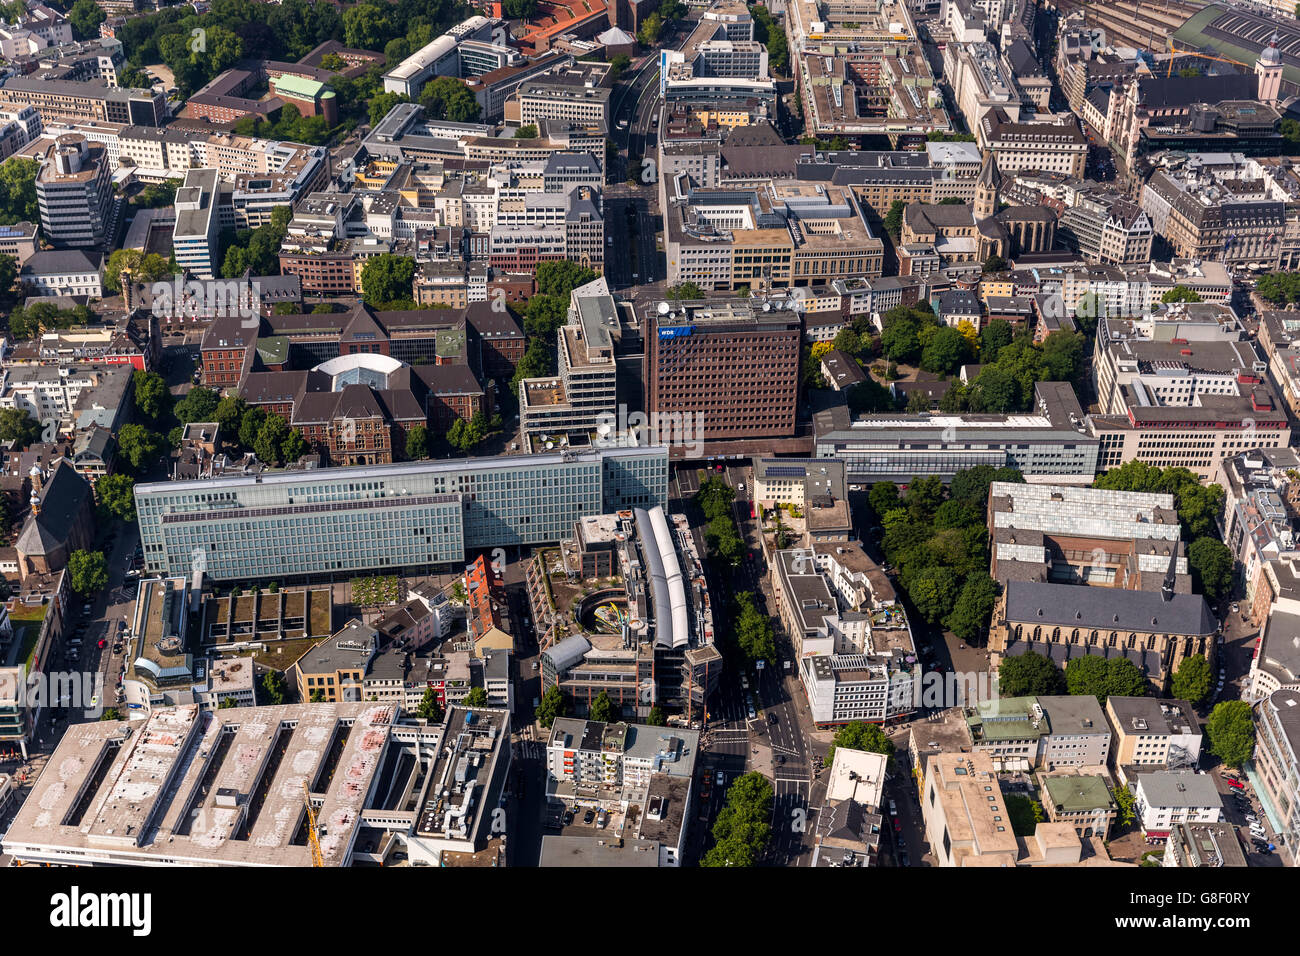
pixel 938 545
pixel 1279 287
pixel 743 828
pixel 721 536
pixel 772 35
pixel 251 428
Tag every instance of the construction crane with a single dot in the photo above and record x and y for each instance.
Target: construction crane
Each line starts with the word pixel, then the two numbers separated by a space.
pixel 1175 52
pixel 313 839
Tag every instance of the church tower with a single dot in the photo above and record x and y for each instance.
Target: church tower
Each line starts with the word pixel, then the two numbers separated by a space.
pixel 986 189
pixel 1269 70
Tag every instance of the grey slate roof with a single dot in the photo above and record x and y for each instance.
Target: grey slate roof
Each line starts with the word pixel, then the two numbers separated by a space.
pixel 1167 789
pixel 63 498
pixel 1108 609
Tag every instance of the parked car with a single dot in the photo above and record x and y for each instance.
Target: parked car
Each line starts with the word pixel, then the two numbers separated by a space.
pixel 903 859
pixel 721 778
pixel 589 816
pixel 1236 785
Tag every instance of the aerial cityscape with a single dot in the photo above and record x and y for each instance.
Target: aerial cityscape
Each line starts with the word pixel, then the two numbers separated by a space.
pixel 648 434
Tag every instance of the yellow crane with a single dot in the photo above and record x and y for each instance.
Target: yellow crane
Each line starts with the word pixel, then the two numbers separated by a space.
pixel 1175 52
pixel 313 839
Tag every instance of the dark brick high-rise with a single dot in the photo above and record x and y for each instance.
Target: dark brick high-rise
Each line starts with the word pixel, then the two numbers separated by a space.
pixel 735 367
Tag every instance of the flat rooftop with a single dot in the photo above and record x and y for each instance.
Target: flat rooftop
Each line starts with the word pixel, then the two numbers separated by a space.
pixel 187 787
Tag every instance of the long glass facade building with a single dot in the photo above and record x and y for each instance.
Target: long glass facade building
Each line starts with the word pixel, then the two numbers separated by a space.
pixel 385 517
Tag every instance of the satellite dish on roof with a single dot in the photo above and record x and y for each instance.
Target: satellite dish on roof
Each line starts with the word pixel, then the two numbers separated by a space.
pixel 664 308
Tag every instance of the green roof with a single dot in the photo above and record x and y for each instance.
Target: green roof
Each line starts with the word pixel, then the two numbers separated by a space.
pixel 273 349
pixel 450 342
pixel 299 87
pixel 1079 794
pixel 1006 718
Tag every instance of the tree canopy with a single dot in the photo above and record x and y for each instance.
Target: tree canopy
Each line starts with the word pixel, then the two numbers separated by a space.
pixel 1231 732
pixel 859 735
pixel 1029 675
pixel 1192 679
pixel 743 827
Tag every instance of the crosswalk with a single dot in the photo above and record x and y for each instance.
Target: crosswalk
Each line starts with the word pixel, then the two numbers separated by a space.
pixel 530 750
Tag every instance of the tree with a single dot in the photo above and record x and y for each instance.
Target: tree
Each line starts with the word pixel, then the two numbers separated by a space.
pixel 447 98
pixel 974 608
pixel 934 592
pixel 227 703
pixel 8 276
pixel 116 494
pixel 1191 679
pixel 250 426
pixel 652 27
pixel 1126 805
pixel 1180 293
pixel 294 446
pixel 85 18
pixel 1231 732
pixel 317 697
pixel 152 399
pixel 140 446
pixel 656 717
pixel 429 708
pixel 715 497
pixel 553 705
pixel 1102 678
pixel 743 827
pixel 198 405
pixel 893 221
pixel 273 687
pixel 386 277
pixel 685 290
pixel 859 735
pixel 19 427
pixel 269 443
pixel 383 104
pixel 994 264
pixel 526 132
pixel 723 540
pixel 946 352
pixel 602 709
pixel 1124 679
pixel 228 415
pixel 143 268
pixel 883 498
pixel 1029 675
pixel 1211 563
pixel 520 9
pixel 417 443
pixel 88 571
pixel 18 191
pixel 618 65
pixel 477 697
pixel 753 630
pixel 111 713
pixel 996 336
